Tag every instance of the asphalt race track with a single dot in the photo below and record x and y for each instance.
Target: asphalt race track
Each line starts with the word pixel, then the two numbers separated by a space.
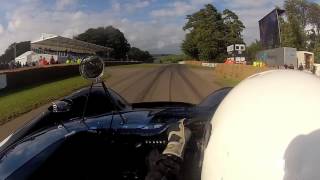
pixel 144 84
pixel 163 83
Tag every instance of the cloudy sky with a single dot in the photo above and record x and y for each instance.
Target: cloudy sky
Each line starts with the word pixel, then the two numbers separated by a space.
pixel 154 25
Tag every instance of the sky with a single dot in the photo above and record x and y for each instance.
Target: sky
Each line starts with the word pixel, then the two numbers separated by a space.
pixel 153 25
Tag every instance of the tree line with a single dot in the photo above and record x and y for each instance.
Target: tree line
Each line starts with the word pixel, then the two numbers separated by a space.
pixel 115 39
pixel 104 36
pixel 299 28
pixel 209 32
pixel 14 49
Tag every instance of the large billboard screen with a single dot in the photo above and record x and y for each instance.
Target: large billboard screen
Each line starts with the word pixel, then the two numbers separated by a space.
pixel 270 30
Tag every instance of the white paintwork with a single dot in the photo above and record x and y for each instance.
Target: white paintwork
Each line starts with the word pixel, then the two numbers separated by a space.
pixel 317 66
pixel 3 81
pixel 236 47
pixel 267 128
pixel 5 140
pixel 45 36
pixel 230 48
pixel 25 58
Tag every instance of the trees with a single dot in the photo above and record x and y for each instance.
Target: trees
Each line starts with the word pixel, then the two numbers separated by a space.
pixel 297 10
pixel 316 52
pixel 313 16
pixel 206 35
pixel 114 38
pixel 139 55
pixel 292 35
pixel 19 48
pixel 189 46
pixel 209 33
pixel 109 37
pixel 253 49
pixel 301 16
pixel 293 30
pixel 313 35
pixel 234 27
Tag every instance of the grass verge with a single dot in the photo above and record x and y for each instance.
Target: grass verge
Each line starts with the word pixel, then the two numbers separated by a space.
pixel 226 82
pixel 13 104
pixel 219 79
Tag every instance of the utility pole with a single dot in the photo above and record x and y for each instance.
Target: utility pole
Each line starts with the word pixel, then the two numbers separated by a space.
pixel 14 51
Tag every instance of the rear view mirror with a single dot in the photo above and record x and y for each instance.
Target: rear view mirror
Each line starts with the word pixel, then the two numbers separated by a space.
pixel 91 68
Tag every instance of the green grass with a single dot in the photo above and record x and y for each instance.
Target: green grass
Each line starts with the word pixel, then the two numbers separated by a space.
pixel 13 104
pixel 174 58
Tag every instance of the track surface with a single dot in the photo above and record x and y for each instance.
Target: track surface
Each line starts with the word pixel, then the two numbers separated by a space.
pixel 163 83
pixel 144 84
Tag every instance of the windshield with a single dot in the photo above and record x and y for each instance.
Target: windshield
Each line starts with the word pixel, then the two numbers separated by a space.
pixel 142 66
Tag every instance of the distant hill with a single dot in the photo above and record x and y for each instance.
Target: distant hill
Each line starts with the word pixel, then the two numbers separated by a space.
pixel 157 56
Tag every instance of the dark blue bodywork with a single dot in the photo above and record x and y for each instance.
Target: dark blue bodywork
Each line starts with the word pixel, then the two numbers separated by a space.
pixel 142 125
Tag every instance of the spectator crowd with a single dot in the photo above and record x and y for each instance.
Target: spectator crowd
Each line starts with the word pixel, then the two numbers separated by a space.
pixel 42 61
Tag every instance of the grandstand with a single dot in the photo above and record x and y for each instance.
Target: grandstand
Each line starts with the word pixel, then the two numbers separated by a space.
pixel 61 49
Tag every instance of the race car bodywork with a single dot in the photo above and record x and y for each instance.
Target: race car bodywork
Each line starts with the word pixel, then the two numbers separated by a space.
pixel 108 142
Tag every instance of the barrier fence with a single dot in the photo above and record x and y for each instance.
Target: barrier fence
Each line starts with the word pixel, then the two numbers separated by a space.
pixel 31 76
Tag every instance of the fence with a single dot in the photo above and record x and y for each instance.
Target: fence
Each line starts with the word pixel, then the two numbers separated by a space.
pixel 24 77
pixel 31 76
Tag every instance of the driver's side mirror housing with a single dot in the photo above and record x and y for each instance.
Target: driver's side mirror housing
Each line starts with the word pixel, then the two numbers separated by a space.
pixel 61 106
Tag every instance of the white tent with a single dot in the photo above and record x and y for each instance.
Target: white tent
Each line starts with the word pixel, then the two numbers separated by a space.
pixel 25 58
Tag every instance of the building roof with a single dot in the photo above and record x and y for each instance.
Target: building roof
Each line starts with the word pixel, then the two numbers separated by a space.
pixel 59 43
pixel 305 52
